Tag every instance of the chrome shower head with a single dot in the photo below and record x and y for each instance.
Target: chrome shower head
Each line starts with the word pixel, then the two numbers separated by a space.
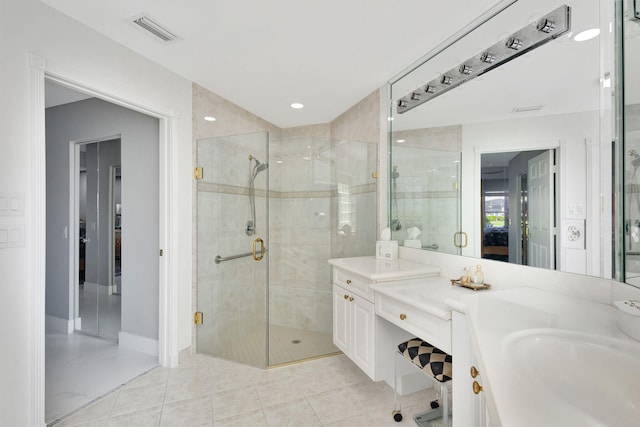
pixel 258 167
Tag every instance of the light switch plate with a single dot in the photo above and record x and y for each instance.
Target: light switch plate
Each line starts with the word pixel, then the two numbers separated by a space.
pixel 11 236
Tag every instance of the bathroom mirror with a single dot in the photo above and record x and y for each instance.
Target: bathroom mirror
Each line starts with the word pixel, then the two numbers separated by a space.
pixel 463 169
pixel 630 123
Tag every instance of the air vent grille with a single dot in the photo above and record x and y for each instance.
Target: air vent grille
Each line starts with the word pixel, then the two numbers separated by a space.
pixel 528 108
pixel 155 29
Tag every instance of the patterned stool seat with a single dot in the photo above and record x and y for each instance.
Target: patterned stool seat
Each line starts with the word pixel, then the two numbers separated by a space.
pixel 430 359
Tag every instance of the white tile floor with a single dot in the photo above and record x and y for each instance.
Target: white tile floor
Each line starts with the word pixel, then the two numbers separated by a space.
pixel 206 391
pixel 80 368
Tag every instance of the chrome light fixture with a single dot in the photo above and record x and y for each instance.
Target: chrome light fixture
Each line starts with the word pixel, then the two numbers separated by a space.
pixel 548 28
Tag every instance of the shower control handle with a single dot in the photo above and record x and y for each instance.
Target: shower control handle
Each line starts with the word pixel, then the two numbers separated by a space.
pixel 346 296
pixel 348 281
pixel 350 299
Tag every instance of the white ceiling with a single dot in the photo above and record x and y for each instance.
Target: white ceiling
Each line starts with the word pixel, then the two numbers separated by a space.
pixel 264 55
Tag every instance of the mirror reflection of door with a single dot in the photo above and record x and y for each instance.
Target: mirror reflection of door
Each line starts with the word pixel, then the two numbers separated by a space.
pixel 97 307
pixel 518 229
pixel 115 220
pixel 541 245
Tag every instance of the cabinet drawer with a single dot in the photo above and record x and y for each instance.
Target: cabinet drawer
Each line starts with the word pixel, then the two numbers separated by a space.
pixel 423 325
pixel 354 283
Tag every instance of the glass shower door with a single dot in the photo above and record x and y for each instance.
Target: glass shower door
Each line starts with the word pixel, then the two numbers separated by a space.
pixel 232 241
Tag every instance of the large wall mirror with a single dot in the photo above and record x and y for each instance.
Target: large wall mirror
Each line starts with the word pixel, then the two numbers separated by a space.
pixel 515 164
pixel 630 122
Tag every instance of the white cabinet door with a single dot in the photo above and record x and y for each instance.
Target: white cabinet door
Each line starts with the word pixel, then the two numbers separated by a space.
pixel 463 410
pixel 363 333
pixel 341 319
pixel 470 409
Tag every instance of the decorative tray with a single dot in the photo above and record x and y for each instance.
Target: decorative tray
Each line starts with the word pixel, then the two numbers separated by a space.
pixel 473 286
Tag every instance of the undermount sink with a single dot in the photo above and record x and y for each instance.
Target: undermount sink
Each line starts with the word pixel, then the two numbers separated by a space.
pixel 597 375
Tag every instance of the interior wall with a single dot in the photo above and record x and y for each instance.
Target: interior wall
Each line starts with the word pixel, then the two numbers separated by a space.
pixel 76 52
pixel 86 120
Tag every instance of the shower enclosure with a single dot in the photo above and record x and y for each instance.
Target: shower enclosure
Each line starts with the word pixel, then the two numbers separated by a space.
pixel 271 210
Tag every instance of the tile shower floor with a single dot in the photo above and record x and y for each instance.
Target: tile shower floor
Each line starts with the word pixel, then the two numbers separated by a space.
pixel 207 391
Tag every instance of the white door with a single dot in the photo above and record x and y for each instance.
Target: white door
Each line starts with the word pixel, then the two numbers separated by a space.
pixel 541 247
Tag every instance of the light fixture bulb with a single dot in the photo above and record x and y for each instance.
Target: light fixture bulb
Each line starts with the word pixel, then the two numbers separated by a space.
pixel 210 118
pixel 446 80
pixel 488 57
pixel 415 96
pixel 465 69
pixel 402 103
pixel 400 141
pixel 546 25
pixel 297 105
pixel 587 34
pixel 429 89
pixel 514 43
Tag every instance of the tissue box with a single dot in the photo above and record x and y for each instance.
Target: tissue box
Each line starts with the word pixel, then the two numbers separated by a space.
pixel 410 243
pixel 387 249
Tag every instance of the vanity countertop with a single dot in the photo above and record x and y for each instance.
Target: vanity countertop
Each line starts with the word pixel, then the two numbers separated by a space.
pixel 512 327
pixel 380 270
pixel 433 295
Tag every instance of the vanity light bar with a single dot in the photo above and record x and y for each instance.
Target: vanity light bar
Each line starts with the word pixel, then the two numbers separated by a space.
pixel 547 28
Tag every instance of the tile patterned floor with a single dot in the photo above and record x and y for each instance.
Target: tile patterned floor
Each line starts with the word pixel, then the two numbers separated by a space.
pixel 80 368
pixel 206 391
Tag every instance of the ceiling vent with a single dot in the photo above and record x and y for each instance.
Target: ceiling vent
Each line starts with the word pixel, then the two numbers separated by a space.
pixel 150 26
pixel 526 109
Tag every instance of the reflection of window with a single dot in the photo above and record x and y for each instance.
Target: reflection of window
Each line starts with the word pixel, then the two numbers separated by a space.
pixel 346 209
pixel 496 208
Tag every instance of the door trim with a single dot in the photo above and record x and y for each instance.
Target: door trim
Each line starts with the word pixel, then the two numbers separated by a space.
pixel 39 70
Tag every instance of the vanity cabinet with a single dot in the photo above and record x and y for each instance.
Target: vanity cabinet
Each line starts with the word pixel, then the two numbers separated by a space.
pixel 357 331
pixel 470 408
pixel 354 328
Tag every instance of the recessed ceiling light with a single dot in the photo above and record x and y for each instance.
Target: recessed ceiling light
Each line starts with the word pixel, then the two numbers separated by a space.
pixel 400 141
pixel 210 118
pixel 587 34
pixel 297 105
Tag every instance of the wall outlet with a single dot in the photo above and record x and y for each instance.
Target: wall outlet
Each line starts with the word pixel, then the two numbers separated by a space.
pixel 573 233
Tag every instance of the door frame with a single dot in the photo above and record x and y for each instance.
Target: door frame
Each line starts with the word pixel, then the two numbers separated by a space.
pixel 40 70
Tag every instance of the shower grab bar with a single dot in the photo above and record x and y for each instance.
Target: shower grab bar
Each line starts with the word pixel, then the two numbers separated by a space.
pixel 220 259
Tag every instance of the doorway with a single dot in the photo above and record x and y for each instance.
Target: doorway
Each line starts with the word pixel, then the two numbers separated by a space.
pixel 101 333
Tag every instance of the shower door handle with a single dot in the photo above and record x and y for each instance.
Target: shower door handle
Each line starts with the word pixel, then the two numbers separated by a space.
pixel 257 257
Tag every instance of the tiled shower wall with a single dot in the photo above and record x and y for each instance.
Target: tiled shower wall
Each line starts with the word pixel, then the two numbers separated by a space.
pixel 322 205
pixel 426 193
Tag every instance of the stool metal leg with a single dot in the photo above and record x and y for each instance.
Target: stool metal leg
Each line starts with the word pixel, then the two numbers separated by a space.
pixel 397 414
pixel 444 392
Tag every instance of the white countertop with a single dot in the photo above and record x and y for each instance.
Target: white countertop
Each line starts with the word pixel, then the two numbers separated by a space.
pixel 512 397
pixel 433 295
pixel 379 270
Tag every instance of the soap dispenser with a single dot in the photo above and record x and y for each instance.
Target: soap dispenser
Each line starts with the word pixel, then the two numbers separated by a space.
pixel 478 276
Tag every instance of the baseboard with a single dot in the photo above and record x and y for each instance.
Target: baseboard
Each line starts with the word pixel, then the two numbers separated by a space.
pixel 138 343
pixel 78 323
pixel 184 354
pixel 58 324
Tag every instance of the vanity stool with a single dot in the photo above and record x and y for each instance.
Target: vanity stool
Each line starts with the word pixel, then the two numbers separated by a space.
pixel 433 362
